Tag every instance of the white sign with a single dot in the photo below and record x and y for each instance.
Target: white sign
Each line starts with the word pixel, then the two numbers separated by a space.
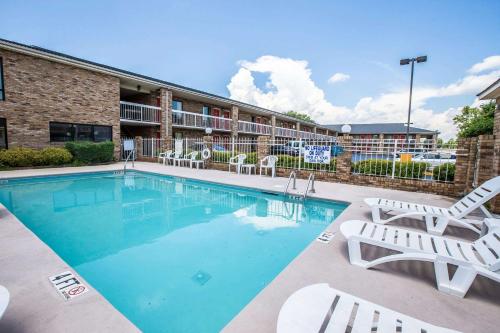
pixel 128 145
pixel 178 146
pixel 325 237
pixel 68 285
pixel 317 154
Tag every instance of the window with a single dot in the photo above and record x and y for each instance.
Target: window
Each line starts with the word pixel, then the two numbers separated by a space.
pixel 2 91
pixel 206 111
pixel 177 105
pixel 3 133
pixel 63 132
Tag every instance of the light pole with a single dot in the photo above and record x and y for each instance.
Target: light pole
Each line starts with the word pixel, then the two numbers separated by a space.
pixel 406 62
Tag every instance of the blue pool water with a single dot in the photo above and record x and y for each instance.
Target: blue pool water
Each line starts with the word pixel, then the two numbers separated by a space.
pixel 173 255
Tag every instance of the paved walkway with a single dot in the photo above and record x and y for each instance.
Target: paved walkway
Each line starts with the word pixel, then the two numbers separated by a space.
pixel 407 287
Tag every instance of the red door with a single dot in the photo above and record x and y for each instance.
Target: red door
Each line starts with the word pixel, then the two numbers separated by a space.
pixel 216 122
pixel 227 115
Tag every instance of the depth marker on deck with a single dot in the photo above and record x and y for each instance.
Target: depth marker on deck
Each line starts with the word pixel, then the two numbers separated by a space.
pixel 68 285
pixel 326 237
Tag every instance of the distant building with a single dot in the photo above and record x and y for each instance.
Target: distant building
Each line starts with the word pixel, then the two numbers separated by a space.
pixel 386 131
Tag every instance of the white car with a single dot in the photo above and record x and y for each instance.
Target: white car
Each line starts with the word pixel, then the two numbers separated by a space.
pixel 435 158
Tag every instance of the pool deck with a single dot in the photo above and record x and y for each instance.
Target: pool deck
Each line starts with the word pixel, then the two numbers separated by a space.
pixel 408 287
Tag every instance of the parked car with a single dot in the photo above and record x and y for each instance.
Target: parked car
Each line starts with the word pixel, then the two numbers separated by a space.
pixel 337 150
pixel 199 146
pixel 434 158
pixel 283 150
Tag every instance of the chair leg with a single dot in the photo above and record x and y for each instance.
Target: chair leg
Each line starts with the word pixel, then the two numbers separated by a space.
pixel 354 247
pixel 376 214
pixel 435 226
pixel 459 284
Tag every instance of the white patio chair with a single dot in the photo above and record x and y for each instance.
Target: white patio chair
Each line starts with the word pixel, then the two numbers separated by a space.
pixel 319 308
pixel 4 300
pixel 179 158
pixel 471 258
pixel 172 157
pixel 162 157
pixel 237 161
pixel 438 218
pixel 193 160
pixel 268 162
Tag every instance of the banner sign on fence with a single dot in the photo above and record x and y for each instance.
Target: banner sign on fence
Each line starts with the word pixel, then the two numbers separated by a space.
pixel 317 154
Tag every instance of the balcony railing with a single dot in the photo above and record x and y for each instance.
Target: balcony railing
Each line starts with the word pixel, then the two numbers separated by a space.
pixel 198 120
pixel 285 132
pixel 140 113
pixel 248 127
pixel 306 135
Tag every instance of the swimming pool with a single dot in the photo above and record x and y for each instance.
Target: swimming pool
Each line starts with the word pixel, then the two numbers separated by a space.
pixel 173 255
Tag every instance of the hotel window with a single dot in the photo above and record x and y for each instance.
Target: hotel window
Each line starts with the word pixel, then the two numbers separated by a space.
pixel 177 105
pixel 63 132
pixel 3 133
pixel 2 91
pixel 206 110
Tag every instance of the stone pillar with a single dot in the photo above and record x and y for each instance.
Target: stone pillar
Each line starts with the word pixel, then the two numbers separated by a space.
pixel 485 166
pixel 464 165
pixel 495 203
pixel 327 132
pixel 262 147
pixel 138 147
pixel 297 127
pixel 166 123
pixel 315 129
pixel 343 169
pixel 208 142
pixel 273 128
pixel 234 124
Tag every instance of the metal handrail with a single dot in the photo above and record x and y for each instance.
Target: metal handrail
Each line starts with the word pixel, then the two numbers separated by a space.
pixel 294 174
pixel 310 181
pixel 127 159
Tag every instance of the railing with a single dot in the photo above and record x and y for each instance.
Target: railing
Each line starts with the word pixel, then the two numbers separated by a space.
pixel 248 127
pixel 140 113
pixel 198 120
pixel 151 147
pixel 306 135
pixel 402 159
pixel 285 132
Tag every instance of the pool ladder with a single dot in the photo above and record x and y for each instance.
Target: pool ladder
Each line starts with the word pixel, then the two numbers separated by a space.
pixel 131 153
pixel 310 183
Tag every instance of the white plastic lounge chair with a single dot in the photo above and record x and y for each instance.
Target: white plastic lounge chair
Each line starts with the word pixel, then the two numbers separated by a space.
pixel 174 157
pixel 179 161
pixel 162 157
pixel 193 160
pixel 319 308
pixel 479 257
pixel 4 300
pixel 268 162
pixel 237 161
pixel 438 218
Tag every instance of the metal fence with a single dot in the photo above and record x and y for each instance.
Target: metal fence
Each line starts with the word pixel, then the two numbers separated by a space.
pixel 401 159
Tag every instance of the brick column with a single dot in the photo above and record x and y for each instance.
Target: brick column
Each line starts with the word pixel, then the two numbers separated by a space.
pixel 343 170
pixel 234 117
pixel 297 127
pixel 464 165
pixel 273 128
pixel 262 147
pixel 495 203
pixel 208 142
pixel 166 112
pixel 138 147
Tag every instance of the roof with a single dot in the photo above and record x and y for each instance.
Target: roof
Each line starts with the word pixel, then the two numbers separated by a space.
pixel 491 92
pixel 75 61
pixel 378 128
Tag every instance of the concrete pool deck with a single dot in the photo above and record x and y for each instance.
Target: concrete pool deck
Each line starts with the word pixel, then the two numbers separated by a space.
pixel 408 287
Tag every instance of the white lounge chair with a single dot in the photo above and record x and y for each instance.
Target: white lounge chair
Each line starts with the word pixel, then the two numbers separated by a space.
pixel 268 162
pixel 471 258
pixel 4 300
pixel 319 308
pixel 438 218
pixel 237 161
pixel 193 160
pixel 162 157
pixel 175 156
pixel 179 161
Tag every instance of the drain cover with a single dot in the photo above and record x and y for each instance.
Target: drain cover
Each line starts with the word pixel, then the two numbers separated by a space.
pixel 201 277
pixel 68 285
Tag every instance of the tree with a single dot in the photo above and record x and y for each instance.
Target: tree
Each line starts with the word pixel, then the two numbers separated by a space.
pixel 475 121
pixel 300 116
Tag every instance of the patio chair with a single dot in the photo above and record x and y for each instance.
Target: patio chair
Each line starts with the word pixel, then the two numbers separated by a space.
pixel 182 161
pixel 4 300
pixel 268 162
pixel 471 258
pixel 193 160
pixel 319 308
pixel 438 218
pixel 237 161
pixel 162 157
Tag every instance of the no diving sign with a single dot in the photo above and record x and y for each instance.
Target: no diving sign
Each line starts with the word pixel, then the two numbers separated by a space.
pixel 68 285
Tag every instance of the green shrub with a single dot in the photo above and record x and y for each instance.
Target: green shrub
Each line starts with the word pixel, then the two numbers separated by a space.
pixel 221 156
pixel 444 172
pixel 28 157
pixel 86 152
pixel 380 167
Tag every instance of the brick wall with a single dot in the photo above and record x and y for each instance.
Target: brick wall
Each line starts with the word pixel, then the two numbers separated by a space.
pixel 38 91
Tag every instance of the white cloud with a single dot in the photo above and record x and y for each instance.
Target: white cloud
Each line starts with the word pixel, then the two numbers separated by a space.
pixel 489 63
pixel 338 77
pixel 290 87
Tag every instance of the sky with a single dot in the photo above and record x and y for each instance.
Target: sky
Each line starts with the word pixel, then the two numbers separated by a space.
pixel 336 61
